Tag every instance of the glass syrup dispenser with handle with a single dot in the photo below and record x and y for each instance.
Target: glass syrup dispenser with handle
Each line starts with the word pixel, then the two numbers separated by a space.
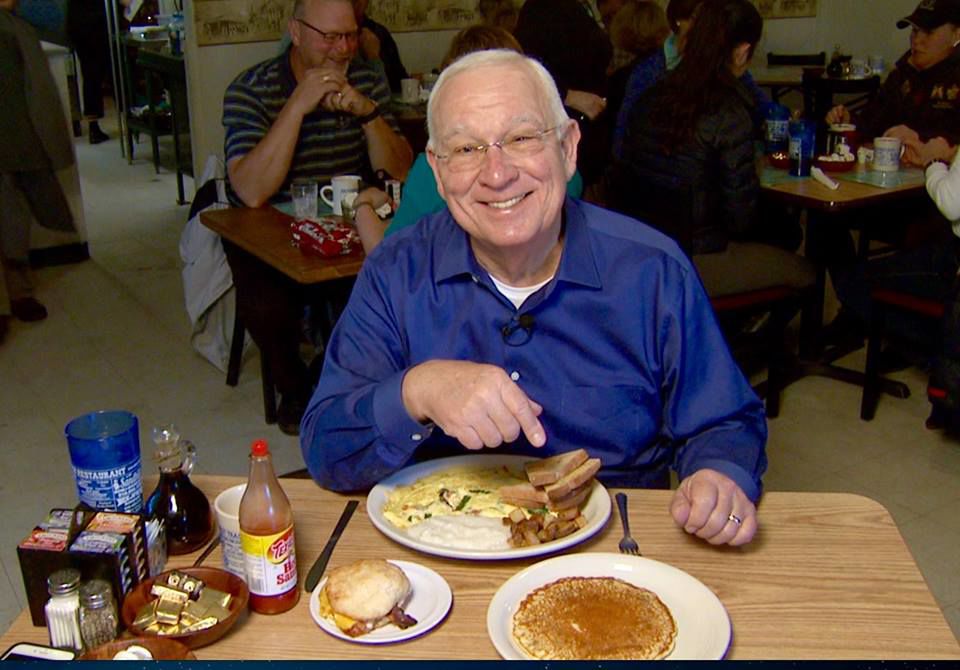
pixel 183 507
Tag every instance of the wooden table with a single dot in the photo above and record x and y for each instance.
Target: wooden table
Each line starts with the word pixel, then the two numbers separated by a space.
pixel 826 207
pixel 264 232
pixel 827 577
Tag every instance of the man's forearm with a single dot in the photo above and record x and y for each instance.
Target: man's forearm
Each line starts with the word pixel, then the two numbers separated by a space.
pixel 388 149
pixel 258 175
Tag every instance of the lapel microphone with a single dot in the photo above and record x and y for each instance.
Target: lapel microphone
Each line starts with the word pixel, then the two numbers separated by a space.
pixel 518 331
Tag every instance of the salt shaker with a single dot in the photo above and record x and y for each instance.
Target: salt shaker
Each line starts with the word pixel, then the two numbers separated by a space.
pixel 98 613
pixel 63 609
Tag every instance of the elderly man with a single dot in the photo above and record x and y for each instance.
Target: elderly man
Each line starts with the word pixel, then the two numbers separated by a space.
pixel 314 111
pixel 522 319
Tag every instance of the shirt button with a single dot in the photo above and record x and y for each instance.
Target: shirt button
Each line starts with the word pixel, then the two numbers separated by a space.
pixel 416 437
pixel 514 375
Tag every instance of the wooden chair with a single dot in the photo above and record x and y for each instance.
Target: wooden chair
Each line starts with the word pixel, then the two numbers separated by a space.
pixel 663 209
pixel 883 300
pixel 804 60
pixel 266 375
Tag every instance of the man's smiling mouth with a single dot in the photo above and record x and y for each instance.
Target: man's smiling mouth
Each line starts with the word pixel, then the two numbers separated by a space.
pixel 506 204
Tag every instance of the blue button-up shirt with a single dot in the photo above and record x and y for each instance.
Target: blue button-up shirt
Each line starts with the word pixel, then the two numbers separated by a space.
pixel 622 351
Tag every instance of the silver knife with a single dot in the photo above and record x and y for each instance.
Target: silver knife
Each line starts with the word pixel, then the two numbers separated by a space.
pixel 316 571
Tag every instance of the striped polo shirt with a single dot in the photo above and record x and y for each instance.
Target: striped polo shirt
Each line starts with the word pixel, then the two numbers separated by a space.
pixel 330 143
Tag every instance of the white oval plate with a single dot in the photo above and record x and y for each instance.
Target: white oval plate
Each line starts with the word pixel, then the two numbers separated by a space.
pixel 596 509
pixel 429 601
pixel 703 626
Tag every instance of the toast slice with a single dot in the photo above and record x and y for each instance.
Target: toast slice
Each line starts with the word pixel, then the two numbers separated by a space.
pixel 526 491
pixel 574 499
pixel 553 469
pixel 573 480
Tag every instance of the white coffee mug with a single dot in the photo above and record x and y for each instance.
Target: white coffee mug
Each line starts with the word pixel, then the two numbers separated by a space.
pixel 410 90
pixel 227 507
pixel 886 154
pixel 333 193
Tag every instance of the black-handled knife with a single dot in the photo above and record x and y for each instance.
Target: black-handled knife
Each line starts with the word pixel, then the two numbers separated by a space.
pixel 316 571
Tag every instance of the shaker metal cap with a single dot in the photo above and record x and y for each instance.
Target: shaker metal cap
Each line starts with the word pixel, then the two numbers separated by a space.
pixel 63 581
pixel 95 593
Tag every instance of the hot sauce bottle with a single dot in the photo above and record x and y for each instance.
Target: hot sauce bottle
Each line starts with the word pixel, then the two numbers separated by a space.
pixel 266 537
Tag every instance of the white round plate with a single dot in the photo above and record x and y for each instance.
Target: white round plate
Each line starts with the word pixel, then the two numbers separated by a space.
pixel 703 626
pixel 429 601
pixel 596 509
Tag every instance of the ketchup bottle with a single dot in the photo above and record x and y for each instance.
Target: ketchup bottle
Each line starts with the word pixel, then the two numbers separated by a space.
pixel 266 537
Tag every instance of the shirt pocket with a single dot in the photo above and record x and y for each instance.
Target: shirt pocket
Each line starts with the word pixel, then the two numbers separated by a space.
pixel 611 419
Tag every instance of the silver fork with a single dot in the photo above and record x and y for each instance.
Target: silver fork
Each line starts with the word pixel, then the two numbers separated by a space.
pixel 627 545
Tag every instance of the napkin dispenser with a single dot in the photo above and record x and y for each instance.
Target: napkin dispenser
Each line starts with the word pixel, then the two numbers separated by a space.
pixel 103 545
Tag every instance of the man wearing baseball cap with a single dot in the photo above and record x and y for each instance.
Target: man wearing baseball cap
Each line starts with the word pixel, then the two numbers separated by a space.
pixel 920 99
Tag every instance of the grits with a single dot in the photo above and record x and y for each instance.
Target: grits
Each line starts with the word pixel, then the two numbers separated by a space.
pixel 463 532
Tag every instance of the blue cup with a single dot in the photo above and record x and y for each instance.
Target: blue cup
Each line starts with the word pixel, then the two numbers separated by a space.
pixel 802 137
pixel 105 455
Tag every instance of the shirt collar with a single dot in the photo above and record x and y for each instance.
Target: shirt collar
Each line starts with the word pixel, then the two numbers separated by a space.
pixel 578 264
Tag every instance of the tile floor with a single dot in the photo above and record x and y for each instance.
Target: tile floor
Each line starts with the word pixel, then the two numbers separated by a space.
pixel 118 336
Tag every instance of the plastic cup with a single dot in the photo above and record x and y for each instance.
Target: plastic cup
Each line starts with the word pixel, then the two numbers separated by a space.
pixel 304 194
pixel 105 455
pixel 227 506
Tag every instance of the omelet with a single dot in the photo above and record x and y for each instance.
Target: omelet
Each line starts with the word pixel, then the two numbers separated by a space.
pixel 463 490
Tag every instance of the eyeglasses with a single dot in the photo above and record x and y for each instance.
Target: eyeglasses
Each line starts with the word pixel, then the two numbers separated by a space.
pixel 516 145
pixel 332 38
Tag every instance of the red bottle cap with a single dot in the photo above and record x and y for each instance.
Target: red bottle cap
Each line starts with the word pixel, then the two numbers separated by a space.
pixel 259 448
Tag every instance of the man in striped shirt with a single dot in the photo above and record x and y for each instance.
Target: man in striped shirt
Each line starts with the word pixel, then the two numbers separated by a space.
pixel 314 111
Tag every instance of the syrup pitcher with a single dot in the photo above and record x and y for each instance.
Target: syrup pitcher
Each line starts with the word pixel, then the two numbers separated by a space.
pixel 183 507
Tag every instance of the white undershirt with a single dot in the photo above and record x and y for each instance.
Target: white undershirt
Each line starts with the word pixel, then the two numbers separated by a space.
pixel 516 294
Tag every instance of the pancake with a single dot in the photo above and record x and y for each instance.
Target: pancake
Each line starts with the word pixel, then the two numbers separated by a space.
pixel 593 618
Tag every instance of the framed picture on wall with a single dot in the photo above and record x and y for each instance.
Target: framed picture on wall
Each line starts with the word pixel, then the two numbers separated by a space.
pixel 232 21
pixel 786 9
pixel 419 15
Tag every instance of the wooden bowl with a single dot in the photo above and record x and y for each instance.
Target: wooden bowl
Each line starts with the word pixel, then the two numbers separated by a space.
pixel 779 159
pixel 835 166
pixel 221 580
pixel 162 648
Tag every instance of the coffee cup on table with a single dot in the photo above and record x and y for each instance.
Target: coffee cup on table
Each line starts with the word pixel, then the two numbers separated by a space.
pixel 338 187
pixel 227 507
pixel 886 154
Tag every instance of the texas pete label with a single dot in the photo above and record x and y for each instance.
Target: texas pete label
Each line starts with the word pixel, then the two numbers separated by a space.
pixel 270 562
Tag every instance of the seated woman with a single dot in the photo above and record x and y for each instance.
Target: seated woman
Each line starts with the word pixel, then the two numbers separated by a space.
pixel 914 103
pixel 688 160
pixel 420 196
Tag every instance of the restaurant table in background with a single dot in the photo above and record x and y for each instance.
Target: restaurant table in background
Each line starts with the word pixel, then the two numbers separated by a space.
pixel 265 233
pixel 779 79
pixel 858 189
pixel 828 576
pixel 412 119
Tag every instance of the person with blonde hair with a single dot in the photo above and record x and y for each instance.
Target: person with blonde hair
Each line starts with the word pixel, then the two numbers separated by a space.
pixel 498 14
pixel 637 31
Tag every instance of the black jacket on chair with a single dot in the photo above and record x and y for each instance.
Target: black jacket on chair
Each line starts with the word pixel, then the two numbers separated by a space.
pixel 707 188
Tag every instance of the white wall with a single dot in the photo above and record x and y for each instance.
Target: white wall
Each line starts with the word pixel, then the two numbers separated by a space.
pixel 859 27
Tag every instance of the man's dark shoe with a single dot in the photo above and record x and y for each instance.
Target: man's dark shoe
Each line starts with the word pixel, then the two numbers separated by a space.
pixel 289 414
pixel 4 327
pixel 28 309
pixel 96 135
